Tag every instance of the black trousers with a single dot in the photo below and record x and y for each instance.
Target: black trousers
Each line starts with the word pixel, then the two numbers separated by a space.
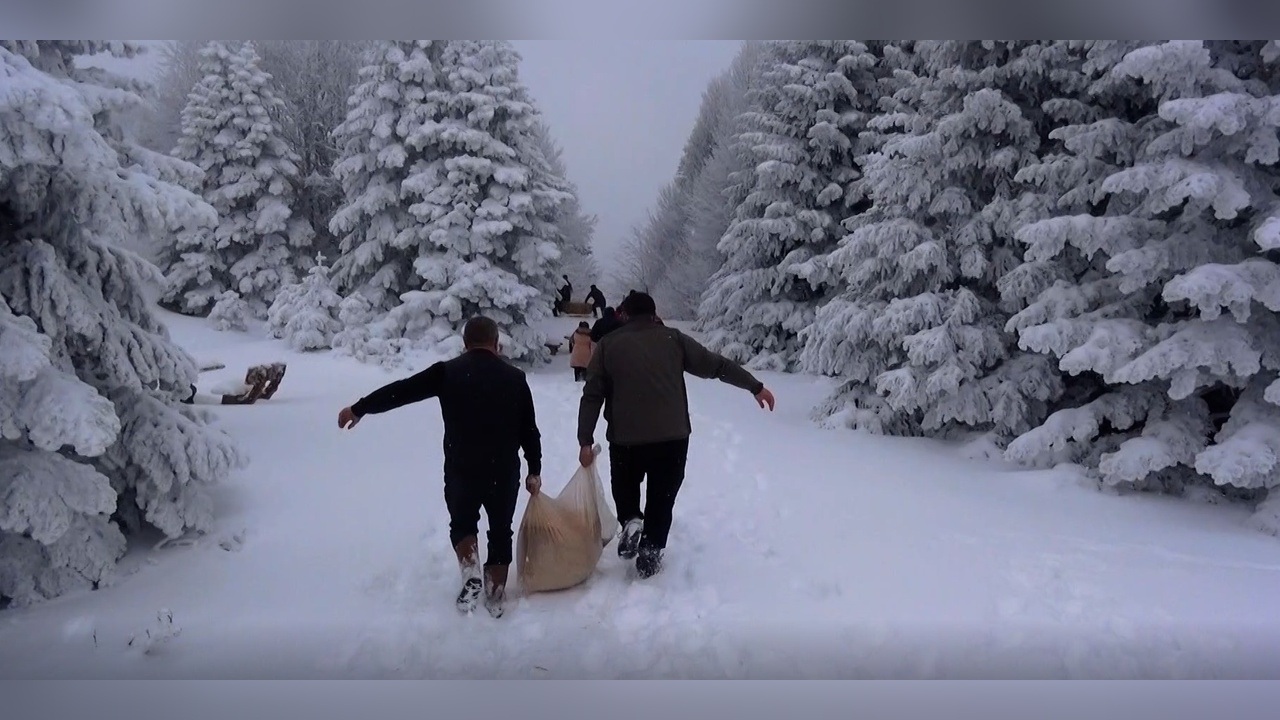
pixel 663 465
pixel 466 495
pixel 579 373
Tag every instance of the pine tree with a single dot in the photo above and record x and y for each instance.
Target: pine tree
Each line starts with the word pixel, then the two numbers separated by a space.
pixel 376 228
pixel 918 336
pixel 1174 318
pixel 313 78
pixel 577 227
pixel 231 133
pixel 708 203
pixel 93 438
pixel 711 161
pixel 230 312
pixel 356 316
pixel 305 314
pixel 453 207
pixel 803 126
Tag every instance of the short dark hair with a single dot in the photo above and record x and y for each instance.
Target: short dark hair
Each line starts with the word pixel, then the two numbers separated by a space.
pixel 480 332
pixel 639 305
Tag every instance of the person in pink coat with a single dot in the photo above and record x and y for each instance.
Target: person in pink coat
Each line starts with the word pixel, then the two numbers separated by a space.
pixel 580 348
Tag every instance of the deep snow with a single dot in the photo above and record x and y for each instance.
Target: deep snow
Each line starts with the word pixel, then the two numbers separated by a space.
pixel 797 552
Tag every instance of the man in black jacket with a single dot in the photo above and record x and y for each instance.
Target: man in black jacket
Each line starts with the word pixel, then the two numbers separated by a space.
pixel 489 418
pixel 605 325
pixel 596 298
pixel 637 376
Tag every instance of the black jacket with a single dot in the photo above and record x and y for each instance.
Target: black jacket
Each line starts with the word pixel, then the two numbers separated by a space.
pixel 487 409
pixel 596 298
pixel 604 326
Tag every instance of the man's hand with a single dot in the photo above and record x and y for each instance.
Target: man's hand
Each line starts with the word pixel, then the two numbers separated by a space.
pixel 347 418
pixel 533 484
pixel 586 456
pixel 765 398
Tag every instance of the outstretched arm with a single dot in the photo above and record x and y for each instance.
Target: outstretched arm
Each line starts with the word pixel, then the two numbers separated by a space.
pixel 415 388
pixel 530 436
pixel 703 363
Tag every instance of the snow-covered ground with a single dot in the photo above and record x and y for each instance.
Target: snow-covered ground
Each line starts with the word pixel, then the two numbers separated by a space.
pixel 797 552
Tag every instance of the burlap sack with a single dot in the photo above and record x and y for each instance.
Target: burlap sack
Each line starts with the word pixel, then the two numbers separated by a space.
pixel 561 538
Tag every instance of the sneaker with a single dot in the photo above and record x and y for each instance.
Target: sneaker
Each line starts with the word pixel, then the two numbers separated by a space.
pixel 648 562
pixel 470 594
pixel 629 538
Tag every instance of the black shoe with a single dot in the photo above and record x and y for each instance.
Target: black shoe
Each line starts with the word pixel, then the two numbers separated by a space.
pixel 629 538
pixel 494 603
pixel 470 595
pixel 648 562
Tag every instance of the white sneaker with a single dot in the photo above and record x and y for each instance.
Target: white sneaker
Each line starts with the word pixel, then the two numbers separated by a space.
pixel 629 539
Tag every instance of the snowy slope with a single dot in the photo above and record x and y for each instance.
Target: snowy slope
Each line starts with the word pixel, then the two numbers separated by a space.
pixel 796 552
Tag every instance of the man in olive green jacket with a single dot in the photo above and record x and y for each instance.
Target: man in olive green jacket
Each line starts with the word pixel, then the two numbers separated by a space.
pixel 637 376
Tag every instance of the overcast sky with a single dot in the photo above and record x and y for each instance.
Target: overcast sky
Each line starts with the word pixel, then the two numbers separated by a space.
pixel 620 109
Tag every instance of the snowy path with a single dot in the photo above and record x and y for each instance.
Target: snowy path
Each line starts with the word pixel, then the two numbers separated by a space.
pixel 796 552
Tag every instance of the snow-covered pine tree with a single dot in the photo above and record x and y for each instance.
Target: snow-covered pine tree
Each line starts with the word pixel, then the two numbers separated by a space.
pixel 673 252
pixel 93 436
pixel 918 335
pixel 356 316
pixel 451 207
pixel 305 314
pixel 230 312
pixel 652 249
pixel 314 78
pixel 250 176
pixel 1063 287
pixel 709 201
pixel 376 229
pixel 804 121
pixel 577 227
pixel 1176 316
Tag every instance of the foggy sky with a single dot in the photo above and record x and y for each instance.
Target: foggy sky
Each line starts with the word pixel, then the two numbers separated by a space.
pixel 621 109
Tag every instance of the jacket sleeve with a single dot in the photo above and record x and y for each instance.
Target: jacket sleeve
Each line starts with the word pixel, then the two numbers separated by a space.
pixel 703 363
pixel 594 391
pixel 530 436
pixel 415 388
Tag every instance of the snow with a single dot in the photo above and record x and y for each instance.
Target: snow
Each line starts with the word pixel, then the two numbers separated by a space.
pixel 796 552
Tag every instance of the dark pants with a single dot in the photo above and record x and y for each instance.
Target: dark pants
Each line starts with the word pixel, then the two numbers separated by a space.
pixel 662 464
pixel 596 311
pixel 466 496
pixel 579 373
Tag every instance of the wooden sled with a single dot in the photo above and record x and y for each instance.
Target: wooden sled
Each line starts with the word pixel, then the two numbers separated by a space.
pixel 576 309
